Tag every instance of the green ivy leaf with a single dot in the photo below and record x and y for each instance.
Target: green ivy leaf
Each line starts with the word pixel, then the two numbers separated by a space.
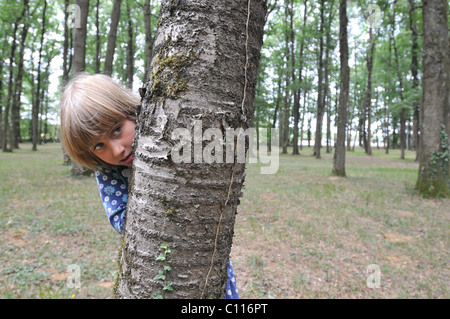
pixel 168 287
pixel 158 295
pixel 160 276
pixel 161 257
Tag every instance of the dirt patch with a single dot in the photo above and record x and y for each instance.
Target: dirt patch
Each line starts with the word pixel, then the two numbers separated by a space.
pixel 405 213
pixel 60 276
pixel 268 197
pixel 397 238
pixel 399 261
pixel 17 237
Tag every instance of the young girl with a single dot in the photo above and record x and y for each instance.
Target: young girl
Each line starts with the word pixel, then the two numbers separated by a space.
pixel 97 129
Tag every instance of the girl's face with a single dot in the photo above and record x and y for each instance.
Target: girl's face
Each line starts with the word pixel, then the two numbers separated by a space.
pixel 115 147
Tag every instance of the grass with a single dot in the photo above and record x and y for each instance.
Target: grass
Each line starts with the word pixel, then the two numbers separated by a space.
pixel 49 222
pixel 299 233
pixel 317 234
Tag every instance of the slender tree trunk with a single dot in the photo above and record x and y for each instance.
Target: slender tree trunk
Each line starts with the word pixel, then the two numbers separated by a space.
pixel 308 132
pixel 414 73
pixel 295 91
pixel 367 110
pixel 148 38
pixel 79 36
pixel 42 120
pixel 115 15
pixel 79 55
pixel 15 112
pixel 275 112
pixel 287 93
pixel 189 208
pixel 6 125
pixel 434 162
pixel 37 105
pixel 320 106
pixel 403 110
pixel 305 98
pixel 328 111
pixel 339 152
pixel 325 103
pixel 130 49
pixel 300 81
pixel 97 36
pixel 388 94
pixel 354 107
pixel 65 77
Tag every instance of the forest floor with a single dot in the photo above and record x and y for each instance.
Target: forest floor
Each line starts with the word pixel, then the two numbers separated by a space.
pixel 299 233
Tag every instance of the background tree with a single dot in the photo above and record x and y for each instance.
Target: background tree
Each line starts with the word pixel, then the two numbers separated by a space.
pixel 79 55
pixel 36 105
pixel 339 153
pixel 320 105
pixel 115 15
pixel 434 169
pixel 79 37
pixel 189 209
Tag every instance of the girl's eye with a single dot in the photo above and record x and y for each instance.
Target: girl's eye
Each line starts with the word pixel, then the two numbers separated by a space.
pixel 117 130
pixel 98 146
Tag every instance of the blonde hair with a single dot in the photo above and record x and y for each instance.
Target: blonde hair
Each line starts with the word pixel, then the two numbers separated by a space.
pixel 90 106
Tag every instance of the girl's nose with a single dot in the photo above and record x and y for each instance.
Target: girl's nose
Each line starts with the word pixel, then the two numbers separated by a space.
pixel 117 149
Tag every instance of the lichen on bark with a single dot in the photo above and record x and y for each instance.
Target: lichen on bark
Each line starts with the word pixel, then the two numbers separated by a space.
pixel 169 80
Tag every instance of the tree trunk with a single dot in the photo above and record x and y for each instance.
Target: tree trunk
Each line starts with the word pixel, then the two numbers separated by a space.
pixel 325 97
pixel 388 94
pixel 115 16
pixel 180 216
pixel 130 49
pixel 309 131
pixel 287 93
pixel 97 36
pixel 434 167
pixel 15 112
pixel 79 38
pixel 367 111
pixel 320 106
pixel 305 98
pixel 51 52
pixel 79 56
pixel 414 74
pixel 6 126
pixel 339 152
pixel 328 111
pixel 148 38
pixel 36 106
pixel 295 150
pixel 65 77
pixel 295 91
pixel 403 110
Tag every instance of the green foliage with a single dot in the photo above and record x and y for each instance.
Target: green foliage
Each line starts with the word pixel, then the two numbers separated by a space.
pixel 388 98
pixel 162 273
pixel 273 70
pixel 52 51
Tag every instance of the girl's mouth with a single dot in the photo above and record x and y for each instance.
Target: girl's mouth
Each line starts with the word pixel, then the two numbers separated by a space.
pixel 128 159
